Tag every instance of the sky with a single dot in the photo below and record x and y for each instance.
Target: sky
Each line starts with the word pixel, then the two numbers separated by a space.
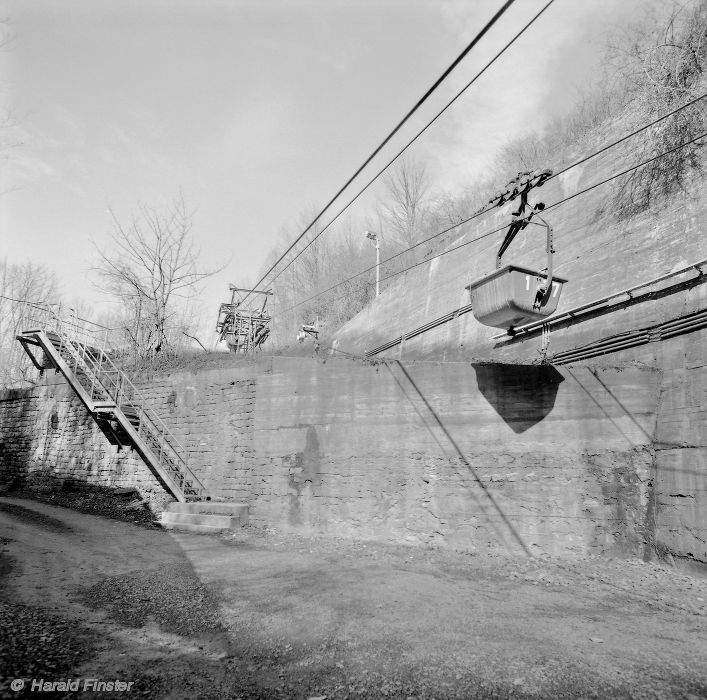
pixel 256 112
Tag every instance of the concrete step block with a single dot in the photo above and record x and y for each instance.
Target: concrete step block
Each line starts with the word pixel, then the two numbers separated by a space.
pixel 239 510
pixel 223 522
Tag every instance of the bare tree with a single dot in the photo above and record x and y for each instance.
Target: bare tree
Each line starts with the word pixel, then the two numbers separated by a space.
pixel 663 59
pixel 317 284
pixel 326 263
pixel 20 284
pixel 150 268
pixel 303 273
pixel 407 202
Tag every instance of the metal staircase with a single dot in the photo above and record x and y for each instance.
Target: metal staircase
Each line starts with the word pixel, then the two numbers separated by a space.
pixel 80 354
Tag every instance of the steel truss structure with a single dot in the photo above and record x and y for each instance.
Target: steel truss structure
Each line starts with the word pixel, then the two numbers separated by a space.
pixel 243 330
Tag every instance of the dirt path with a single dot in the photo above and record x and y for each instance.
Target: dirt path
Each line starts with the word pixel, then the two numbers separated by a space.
pixel 262 615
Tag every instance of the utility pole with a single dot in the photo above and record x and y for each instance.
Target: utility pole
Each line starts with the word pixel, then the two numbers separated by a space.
pixel 373 236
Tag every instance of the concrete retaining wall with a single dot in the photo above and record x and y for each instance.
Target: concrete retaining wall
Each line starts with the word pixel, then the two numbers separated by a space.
pixel 474 456
pixel 600 254
pixel 681 444
pixel 570 461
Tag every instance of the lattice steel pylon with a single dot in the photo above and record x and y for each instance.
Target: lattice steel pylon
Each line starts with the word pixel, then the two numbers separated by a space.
pixel 243 330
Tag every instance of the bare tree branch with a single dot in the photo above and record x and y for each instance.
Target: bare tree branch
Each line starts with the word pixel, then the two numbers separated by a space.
pixel 150 265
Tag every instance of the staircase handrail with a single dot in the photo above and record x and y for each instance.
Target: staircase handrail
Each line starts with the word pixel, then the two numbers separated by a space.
pixel 151 425
pixel 134 393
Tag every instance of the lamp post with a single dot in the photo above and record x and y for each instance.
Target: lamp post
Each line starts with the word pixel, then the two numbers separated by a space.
pixel 373 236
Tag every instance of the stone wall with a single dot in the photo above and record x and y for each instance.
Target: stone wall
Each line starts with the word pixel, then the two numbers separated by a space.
pixel 474 456
pixel 571 461
pixel 600 253
pixel 681 444
pixel 49 441
pixel 211 413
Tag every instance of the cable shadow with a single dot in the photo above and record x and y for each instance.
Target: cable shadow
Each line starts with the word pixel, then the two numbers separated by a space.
pixel 522 395
pixel 447 456
pixel 514 533
pixel 600 407
pixel 595 374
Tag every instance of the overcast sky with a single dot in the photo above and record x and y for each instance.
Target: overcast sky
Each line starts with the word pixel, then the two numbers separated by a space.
pixel 256 110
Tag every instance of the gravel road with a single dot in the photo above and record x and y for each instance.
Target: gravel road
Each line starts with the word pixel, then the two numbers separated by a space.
pixel 262 614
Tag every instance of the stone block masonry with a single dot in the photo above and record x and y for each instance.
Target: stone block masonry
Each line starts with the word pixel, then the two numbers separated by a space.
pixel 211 414
pixel 49 441
pixel 569 461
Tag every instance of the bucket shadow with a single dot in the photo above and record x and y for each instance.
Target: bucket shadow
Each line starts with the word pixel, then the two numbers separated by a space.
pixel 522 395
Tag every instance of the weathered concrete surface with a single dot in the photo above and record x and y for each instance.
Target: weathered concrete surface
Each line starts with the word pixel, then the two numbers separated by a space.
pixel 414 457
pixel 681 445
pixel 600 254
pixel 204 516
pixel 468 455
pixel 597 252
pixel 211 413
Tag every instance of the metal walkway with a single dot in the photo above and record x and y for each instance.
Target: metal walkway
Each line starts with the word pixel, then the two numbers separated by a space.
pixel 115 404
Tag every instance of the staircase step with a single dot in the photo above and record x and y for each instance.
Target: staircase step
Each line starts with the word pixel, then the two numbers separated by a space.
pixel 238 510
pixel 130 411
pixel 199 522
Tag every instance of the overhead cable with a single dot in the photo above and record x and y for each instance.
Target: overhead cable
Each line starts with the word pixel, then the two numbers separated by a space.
pixel 490 207
pixel 628 136
pixel 558 203
pixel 20 301
pixel 395 130
pixel 414 138
pixel 44 305
pixel 488 233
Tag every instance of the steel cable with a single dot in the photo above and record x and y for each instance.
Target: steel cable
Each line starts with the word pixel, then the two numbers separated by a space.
pixel 409 143
pixel 488 233
pixel 395 130
pixel 490 207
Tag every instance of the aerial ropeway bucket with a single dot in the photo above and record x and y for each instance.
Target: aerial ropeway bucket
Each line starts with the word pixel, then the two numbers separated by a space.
pixel 513 295
pixel 509 297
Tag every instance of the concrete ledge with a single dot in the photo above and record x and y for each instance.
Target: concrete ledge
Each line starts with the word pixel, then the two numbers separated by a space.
pixel 238 510
pixel 193 521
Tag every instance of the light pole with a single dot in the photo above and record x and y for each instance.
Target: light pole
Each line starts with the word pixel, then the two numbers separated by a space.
pixel 373 236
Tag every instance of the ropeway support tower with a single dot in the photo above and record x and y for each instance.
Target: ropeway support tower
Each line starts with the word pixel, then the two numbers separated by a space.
pixel 244 330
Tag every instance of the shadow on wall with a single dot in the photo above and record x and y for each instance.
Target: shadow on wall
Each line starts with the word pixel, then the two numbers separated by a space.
pixel 522 395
